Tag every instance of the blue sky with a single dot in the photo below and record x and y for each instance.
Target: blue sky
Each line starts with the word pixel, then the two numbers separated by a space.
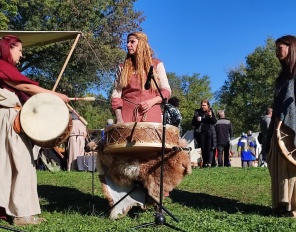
pixel 210 37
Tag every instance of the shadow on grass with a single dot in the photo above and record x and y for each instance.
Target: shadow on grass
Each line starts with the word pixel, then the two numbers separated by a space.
pixel 206 201
pixel 63 199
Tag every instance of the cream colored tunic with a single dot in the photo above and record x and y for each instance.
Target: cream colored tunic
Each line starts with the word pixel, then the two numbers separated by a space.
pixel 283 177
pixel 18 182
pixel 76 143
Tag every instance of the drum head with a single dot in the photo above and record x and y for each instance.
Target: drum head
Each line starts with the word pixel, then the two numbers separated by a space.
pixel 44 117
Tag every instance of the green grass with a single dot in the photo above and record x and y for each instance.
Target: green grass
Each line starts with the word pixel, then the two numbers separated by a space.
pixel 217 199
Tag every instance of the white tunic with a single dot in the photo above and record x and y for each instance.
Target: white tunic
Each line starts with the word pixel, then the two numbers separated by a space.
pixel 18 182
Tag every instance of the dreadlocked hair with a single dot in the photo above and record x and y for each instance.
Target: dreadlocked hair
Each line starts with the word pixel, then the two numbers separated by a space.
pixel 140 63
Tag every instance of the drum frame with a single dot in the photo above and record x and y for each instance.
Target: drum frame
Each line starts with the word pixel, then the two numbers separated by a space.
pixel 139 137
pixel 285 143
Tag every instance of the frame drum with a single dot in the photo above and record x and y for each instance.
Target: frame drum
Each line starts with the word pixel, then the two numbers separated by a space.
pixel 285 138
pixel 46 120
pixel 139 137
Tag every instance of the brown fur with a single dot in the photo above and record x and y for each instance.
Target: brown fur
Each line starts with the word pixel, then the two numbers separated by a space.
pixel 124 169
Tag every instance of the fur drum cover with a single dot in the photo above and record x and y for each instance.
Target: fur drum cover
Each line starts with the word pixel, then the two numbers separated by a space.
pixel 123 170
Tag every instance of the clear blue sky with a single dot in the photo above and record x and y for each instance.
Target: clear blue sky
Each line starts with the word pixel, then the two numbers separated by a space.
pixel 210 37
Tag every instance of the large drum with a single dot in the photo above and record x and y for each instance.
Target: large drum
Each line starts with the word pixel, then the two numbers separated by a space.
pixel 139 137
pixel 46 120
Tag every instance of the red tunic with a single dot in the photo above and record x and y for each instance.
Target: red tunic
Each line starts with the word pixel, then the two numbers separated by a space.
pixel 132 95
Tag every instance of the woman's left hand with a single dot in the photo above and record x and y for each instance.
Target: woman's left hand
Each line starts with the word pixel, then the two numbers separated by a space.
pixel 146 105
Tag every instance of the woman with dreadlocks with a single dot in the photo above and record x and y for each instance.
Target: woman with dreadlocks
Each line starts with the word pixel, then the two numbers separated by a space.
pixel 130 100
pixel 136 101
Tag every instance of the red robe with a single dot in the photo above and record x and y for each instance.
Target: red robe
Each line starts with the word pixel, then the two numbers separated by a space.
pixel 8 72
pixel 132 95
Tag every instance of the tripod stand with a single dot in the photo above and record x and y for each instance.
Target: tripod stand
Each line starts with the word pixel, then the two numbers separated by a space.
pixel 159 216
pixel 10 228
pixel 93 209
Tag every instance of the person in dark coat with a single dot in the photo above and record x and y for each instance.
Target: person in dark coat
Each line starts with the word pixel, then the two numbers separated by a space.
pixel 224 132
pixel 204 121
pixel 264 125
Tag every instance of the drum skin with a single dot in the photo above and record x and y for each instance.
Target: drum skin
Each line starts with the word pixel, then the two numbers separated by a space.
pixel 139 137
pixel 46 120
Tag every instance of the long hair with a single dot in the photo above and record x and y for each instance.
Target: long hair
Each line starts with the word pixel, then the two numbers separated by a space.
pixel 6 43
pixel 288 65
pixel 140 63
pixel 205 101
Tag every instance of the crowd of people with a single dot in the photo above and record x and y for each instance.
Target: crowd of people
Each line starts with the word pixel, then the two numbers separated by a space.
pixel 134 99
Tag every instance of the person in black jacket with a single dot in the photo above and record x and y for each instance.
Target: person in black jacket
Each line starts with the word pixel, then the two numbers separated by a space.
pixel 224 132
pixel 204 121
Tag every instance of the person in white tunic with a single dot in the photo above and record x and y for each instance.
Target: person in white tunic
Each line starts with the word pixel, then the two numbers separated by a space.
pixel 18 183
pixel 76 142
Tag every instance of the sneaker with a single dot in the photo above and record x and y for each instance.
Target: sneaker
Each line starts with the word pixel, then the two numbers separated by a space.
pixel 30 220
pixel 263 164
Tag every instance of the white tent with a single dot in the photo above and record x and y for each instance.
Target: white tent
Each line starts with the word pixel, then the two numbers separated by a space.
pixel 195 154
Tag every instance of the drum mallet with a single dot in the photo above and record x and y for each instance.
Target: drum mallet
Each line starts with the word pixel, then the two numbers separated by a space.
pixel 82 98
pixel 75 112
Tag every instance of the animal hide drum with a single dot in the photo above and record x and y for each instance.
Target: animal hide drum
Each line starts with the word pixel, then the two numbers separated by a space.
pixel 119 172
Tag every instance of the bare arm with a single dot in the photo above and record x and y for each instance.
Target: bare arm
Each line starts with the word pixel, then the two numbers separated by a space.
pixel 34 89
pixel 118 115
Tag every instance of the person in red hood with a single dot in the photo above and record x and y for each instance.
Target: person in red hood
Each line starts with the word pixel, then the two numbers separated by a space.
pixel 18 183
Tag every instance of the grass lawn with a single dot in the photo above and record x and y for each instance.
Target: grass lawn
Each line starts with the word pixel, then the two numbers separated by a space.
pixel 217 199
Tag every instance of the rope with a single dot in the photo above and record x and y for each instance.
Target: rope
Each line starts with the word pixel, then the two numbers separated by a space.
pixel 136 111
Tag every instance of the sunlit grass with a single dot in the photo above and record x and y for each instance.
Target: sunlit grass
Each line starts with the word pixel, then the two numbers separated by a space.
pixel 217 199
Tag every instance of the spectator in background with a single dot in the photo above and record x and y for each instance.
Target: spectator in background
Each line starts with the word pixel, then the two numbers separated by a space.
pixel 264 125
pixel 224 132
pixel 246 148
pixel 173 116
pixel 204 121
pixel 76 142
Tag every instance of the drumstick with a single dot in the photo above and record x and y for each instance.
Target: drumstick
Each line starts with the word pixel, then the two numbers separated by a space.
pixel 79 117
pixel 82 98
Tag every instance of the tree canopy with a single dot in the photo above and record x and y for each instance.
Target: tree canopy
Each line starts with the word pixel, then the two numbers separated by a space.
pixel 190 90
pixel 249 89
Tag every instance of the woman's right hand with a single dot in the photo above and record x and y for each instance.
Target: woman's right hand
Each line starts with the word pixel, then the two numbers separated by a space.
pixel 64 97
pixel 119 120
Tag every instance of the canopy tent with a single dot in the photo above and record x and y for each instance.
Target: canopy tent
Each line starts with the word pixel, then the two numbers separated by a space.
pixel 41 38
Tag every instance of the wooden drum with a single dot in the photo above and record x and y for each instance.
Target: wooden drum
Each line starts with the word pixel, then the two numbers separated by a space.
pixel 139 137
pixel 46 120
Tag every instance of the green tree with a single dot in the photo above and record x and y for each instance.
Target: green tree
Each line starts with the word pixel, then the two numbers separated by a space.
pixel 190 90
pixel 249 89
